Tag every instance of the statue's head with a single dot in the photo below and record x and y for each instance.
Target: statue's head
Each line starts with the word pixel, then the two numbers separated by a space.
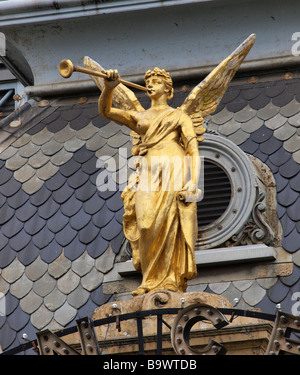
pixel 166 77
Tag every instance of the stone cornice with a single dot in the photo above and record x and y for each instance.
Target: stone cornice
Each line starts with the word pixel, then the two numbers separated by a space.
pixel 16 12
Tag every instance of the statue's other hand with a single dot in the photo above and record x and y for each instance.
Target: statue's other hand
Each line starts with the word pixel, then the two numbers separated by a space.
pixel 189 186
pixel 190 193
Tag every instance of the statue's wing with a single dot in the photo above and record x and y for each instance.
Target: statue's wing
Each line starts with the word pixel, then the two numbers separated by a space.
pixel 123 97
pixel 205 97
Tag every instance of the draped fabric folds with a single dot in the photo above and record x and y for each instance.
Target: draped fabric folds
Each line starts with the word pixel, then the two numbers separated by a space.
pixel 161 228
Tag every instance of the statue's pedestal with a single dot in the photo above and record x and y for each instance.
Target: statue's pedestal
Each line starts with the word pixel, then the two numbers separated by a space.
pixel 242 336
pixel 150 301
pixel 160 299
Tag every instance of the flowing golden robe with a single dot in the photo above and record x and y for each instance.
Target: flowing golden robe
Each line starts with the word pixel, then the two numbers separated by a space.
pixel 161 228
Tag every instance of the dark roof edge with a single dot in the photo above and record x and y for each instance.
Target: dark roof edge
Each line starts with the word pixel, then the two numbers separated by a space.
pixel 84 86
pixel 16 12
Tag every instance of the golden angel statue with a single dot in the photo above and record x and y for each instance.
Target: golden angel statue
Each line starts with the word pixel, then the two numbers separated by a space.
pixel 161 223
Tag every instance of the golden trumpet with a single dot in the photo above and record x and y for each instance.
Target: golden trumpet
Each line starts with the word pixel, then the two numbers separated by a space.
pixel 66 69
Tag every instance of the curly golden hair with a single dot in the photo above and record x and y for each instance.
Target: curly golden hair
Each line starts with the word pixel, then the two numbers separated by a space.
pixel 165 75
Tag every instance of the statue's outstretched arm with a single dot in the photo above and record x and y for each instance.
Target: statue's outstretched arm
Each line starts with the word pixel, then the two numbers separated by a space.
pixel 125 117
pixel 122 97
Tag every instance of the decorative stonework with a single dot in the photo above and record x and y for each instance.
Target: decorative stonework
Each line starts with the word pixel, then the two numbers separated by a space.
pixel 150 301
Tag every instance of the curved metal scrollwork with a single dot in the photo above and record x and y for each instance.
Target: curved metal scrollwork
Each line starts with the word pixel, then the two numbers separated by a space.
pixel 186 319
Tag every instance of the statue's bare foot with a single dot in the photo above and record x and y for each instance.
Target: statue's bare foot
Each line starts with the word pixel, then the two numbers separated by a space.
pixel 139 291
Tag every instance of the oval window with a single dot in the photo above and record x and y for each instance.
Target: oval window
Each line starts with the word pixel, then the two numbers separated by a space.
pixel 229 191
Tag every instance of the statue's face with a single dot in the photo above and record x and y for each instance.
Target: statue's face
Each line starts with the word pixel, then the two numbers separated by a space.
pixel 156 86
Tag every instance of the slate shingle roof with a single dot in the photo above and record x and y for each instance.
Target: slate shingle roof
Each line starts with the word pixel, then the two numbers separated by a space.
pixel 55 223
pixel 60 234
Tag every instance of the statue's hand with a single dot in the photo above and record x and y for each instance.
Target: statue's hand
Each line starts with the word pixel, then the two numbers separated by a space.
pixel 189 186
pixel 190 193
pixel 113 78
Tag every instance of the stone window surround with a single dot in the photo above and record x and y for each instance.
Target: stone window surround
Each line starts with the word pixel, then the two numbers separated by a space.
pixel 221 256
